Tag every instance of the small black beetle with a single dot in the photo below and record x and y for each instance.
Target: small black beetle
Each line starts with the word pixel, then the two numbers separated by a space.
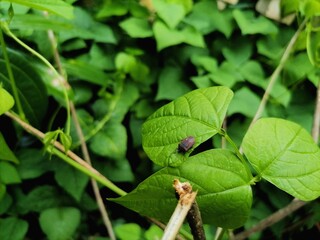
pixel 186 144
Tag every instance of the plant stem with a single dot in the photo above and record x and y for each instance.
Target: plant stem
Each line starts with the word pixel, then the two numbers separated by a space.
pixel 48 64
pixel 195 222
pixel 237 151
pixel 69 157
pixel 296 203
pixel 11 77
pixel 84 148
pixel 272 219
pixel 186 199
pixel 276 73
pixel 316 117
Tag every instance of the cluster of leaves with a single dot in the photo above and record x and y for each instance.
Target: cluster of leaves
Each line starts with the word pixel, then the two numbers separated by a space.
pixel 124 59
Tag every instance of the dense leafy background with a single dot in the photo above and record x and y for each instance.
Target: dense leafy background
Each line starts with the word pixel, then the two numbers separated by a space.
pixel 123 62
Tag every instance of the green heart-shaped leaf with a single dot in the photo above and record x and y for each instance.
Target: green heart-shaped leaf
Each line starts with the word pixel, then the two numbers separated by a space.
pixel 284 153
pixel 224 192
pixel 199 113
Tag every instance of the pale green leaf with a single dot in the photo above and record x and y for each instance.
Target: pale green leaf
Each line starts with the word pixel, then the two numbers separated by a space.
pixel 198 113
pixel 249 24
pixel 137 27
pixel 130 231
pixel 284 153
pixel 165 36
pixel 170 13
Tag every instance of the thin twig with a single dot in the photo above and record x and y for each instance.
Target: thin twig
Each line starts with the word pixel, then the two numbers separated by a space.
pixel 163 227
pixel 272 219
pixel 89 169
pixel 186 199
pixel 295 204
pixel 94 184
pixel 84 148
pixel 195 222
pixel 276 73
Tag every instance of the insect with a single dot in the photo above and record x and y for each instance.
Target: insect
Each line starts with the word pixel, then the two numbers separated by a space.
pixel 186 144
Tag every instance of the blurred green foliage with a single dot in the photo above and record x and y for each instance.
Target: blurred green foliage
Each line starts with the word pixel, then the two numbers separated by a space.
pixel 124 59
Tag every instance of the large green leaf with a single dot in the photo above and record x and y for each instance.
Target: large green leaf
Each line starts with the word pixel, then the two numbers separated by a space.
pixel 224 193
pixel 284 153
pixel 60 223
pixel 198 113
pixel 31 89
pixel 55 6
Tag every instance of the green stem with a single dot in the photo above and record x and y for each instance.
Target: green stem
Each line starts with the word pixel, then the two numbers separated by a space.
pixel 70 158
pixel 107 117
pixel 99 178
pixel 237 151
pixel 48 64
pixel 11 77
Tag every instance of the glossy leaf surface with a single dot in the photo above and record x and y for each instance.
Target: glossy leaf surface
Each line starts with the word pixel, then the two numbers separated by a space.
pixel 224 193
pixel 284 153
pixel 198 113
